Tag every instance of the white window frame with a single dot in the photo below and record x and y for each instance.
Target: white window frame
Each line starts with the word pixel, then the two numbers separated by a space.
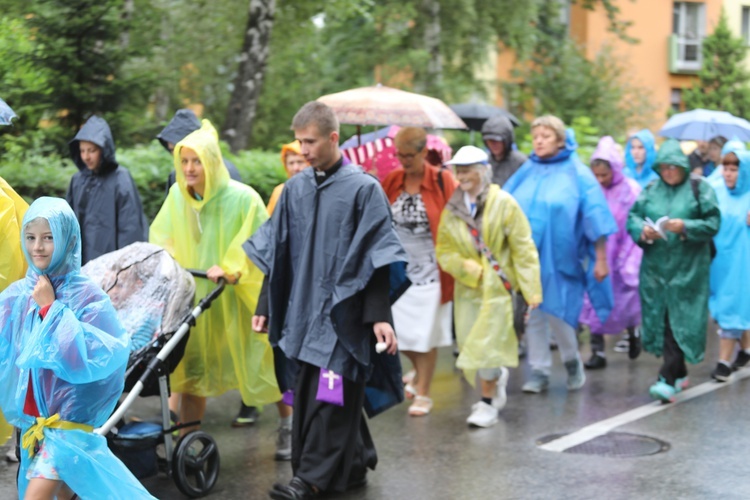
pixel 683 41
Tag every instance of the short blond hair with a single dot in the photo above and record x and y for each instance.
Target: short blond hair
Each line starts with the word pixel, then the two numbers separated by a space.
pixel 318 114
pixel 413 137
pixel 553 123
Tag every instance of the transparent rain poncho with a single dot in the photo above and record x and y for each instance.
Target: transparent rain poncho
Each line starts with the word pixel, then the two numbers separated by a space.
pixel 75 357
pixel 223 352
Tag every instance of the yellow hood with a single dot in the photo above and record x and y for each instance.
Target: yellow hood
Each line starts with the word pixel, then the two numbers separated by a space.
pixel 205 143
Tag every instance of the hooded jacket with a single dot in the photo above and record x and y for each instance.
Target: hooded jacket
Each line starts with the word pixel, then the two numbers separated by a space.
pixel 223 352
pixel 105 200
pixel 483 307
pixel 674 277
pixel 730 269
pixel 647 174
pixel 183 123
pixel 75 357
pixel 294 148
pixel 623 255
pixel 12 208
pixel 716 178
pixel 568 213
pixel 500 128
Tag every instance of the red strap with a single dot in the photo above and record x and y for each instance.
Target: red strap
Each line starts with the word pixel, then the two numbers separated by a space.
pixel 484 250
pixel 44 310
pixel 29 405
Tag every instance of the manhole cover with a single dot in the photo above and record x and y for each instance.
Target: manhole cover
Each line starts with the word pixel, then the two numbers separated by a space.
pixel 615 444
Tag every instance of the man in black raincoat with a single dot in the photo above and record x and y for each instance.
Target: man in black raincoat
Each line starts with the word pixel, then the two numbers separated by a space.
pixel 102 194
pixel 326 253
pixel 499 137
pixel 184 123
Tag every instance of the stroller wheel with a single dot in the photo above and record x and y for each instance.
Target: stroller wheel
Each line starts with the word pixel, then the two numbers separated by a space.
pixel 195 464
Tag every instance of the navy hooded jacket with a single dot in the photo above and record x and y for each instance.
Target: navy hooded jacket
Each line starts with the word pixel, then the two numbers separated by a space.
pixel 106 200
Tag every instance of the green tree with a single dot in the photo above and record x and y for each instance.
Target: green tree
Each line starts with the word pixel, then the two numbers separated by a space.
pixel 722 82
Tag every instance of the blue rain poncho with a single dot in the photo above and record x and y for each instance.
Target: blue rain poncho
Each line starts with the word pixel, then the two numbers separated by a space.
pixel 568 213
pixel 730 269
pixel 647 174
pixel 75 357
pixel 732 146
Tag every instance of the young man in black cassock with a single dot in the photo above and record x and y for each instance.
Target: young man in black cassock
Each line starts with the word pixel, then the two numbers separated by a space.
pixel 326 253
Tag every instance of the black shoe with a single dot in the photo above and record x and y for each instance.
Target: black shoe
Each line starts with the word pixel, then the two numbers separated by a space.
pixel 595 362
pixel 247 416
pixel 721 373
pixel 634 347
pixel 297 489
pixel 741 360
pixel 357 482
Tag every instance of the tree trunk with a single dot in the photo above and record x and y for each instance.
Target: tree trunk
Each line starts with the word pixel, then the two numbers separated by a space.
pixel 241 110
pixel 432 33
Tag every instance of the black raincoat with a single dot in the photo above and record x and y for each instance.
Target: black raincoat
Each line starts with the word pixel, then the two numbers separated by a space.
pixel 500 128
pixel 183 124
pixel 106 200
pixel 319 251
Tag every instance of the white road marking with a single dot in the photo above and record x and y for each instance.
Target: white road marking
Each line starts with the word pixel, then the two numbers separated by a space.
pixel 604 426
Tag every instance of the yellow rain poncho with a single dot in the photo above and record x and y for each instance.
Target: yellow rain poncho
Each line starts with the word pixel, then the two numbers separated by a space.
pixel 483 307
pixel 12 263
pixel 223 352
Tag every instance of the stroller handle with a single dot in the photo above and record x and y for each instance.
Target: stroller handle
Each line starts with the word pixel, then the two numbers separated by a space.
pixel 205 302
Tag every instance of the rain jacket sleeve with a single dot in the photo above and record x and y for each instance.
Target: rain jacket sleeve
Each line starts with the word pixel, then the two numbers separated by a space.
pixel 466 271
pixel 131 221
pixel 523 253
pixel 79 347
pixel 12 208
pixel 636 218
pixel 705 228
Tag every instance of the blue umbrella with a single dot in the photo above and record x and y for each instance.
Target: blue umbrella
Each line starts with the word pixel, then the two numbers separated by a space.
pixel 704 124
pixel 6 114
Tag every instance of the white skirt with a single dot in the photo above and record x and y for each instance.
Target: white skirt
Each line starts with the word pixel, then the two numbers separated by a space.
pixel 420 321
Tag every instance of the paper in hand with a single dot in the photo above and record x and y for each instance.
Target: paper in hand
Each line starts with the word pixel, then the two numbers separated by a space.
pixel 658 226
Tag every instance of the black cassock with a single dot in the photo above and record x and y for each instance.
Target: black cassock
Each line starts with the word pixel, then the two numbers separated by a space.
pixel 326 252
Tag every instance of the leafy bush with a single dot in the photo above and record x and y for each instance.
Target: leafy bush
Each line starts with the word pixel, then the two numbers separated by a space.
pixel 35 172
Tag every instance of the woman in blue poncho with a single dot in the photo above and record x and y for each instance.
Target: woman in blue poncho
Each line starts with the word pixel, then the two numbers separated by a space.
pixel 640 154
pixel 62 363
pixel 570 220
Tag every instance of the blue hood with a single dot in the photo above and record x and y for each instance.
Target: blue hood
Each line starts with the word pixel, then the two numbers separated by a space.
pixel 66 234
pixel 647 174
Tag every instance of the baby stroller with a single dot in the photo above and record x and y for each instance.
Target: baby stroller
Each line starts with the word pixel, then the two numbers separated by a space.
pixel 153 296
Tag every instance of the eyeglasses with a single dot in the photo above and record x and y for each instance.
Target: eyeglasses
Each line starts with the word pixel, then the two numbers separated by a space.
pixel 407 156
pixel 666 166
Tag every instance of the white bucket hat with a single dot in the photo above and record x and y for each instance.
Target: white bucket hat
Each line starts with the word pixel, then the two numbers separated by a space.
pixel 469 155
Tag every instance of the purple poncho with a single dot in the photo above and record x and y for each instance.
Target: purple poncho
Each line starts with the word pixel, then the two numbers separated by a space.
pixel 623 255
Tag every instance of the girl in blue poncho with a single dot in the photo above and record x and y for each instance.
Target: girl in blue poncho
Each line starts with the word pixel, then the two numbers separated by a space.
pixel 63 354
pixel 640 154
pixel 730 269
pixel 570 220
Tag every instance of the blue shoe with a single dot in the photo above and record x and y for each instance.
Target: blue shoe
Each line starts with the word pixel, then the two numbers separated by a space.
pixel 662 391
pixel 681 384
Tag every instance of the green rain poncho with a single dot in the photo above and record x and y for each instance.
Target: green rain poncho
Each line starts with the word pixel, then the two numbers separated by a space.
pixel 674 277
pixel 223 352
pixel 483 307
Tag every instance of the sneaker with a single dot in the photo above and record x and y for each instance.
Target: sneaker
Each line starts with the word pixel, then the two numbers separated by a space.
pixel 247 416
pixel 10 456
pixel 576 376
pixel 283 444
pixel 721 373
pixel 681 384
pixel 537 383
pixel 741 360
pixel 634 347
pixel 622 345
pixel 662 391
pixel 502 397
pixel 482 415
pixel 596 362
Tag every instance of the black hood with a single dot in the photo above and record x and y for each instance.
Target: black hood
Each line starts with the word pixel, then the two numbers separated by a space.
pixel 500 128
pixel 95 130
pixel 182 124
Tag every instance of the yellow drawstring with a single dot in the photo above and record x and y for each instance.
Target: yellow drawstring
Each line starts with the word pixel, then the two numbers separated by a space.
pixel 36 432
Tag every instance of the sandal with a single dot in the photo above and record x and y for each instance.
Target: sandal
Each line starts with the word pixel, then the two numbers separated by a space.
pixel 410 392
pixel 421 406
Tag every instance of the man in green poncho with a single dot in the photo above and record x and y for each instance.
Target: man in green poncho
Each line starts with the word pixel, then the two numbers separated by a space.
pixel 673 220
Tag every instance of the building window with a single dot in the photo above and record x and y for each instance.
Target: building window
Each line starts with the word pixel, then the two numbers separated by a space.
pixel 746 24
pixel 688 27
pixel 675 100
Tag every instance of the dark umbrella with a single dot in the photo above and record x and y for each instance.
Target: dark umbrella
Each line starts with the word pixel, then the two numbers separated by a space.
pixel 474 114
pixel 6 114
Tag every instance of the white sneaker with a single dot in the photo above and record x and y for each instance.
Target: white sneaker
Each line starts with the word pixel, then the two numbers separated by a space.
pixel 499 401
pixel 482 415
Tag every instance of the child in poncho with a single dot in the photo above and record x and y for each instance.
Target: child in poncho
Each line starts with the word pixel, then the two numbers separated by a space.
pixel 63 354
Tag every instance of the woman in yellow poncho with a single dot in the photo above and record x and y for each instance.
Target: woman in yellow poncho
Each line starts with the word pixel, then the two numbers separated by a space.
pixel 484 241
pixel 202 224
pixel 12 263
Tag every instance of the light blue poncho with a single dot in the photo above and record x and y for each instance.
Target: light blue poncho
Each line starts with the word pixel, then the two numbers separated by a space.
pixel 76 357
pixel 730 269
pixel 647 174
pixel 568 213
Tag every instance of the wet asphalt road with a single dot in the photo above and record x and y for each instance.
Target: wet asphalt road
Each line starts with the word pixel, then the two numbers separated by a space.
pixel 439 457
